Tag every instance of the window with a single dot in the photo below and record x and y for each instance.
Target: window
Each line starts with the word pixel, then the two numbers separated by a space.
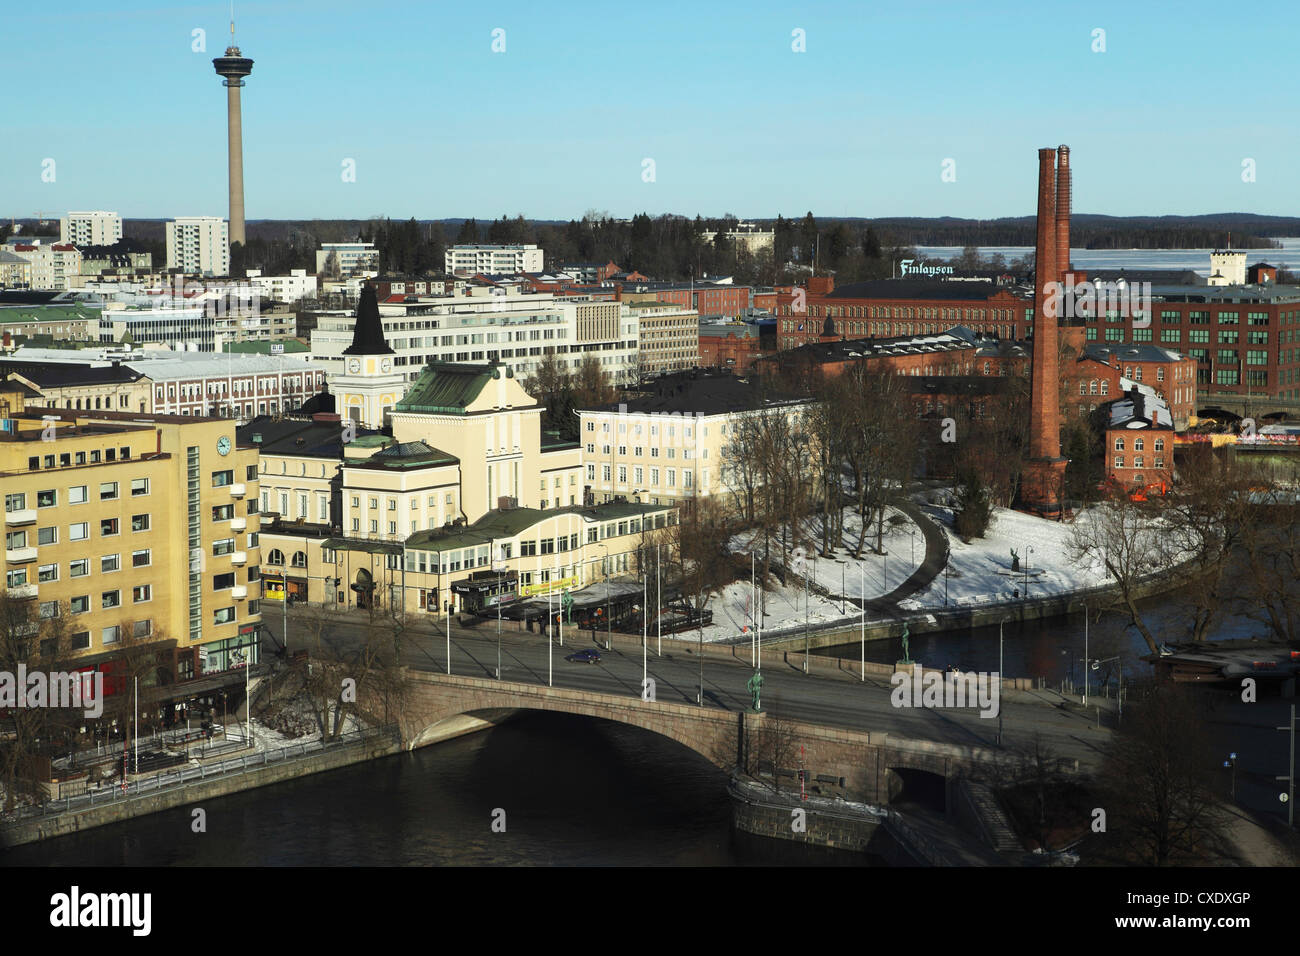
pixel 47 572
pixel 107 490
pixel 1160 444
pixel 300 559
pixel 110 635
pixel 141 593
pixel 275 557
pixel 223 546
pixel 1119 444
pixel 222 478
pixel 109 563
pixel 77 495
pixel 224 512
pixel 142 558
pixel 223 615
pixel 139 486
pixel 79 641
pixel 47 535
pixel 108 527
pixel 141 628
pixel 47 499
pixel 110 599
pixel 221 582
pixel 79 568
pixel 139 522
pixel 1119 461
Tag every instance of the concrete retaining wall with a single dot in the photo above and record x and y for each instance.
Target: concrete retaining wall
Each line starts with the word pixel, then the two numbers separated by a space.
pixel 44 828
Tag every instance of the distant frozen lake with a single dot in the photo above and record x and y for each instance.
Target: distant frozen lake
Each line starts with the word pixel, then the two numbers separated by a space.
pixel 1288 257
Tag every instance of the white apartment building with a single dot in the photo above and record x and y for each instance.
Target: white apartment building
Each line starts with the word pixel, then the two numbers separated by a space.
pixel 295 286
pixel 749 236
pixel 199 245
pixel 353 258
pixel 53 265
pixel 97 228
pixel 492 260
pixel 191 383
pixel 516 329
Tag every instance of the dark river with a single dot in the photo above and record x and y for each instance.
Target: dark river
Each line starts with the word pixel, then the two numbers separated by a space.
pixel 575 792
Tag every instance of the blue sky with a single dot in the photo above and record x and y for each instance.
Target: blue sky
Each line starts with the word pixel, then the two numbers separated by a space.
pixel 859 124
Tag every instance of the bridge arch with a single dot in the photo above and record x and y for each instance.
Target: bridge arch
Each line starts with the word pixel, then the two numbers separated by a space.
pixel 856 764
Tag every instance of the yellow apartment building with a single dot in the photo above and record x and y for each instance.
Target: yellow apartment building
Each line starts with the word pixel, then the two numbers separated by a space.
pixel 141 529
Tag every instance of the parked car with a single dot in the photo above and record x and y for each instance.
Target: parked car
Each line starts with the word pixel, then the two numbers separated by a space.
pixel 589 656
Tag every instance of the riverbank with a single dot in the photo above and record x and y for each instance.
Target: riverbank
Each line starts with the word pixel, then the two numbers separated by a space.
pixel 194 785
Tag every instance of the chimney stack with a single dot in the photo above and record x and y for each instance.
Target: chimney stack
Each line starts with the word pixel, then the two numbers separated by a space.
pixel 1041 480
pixel 1062 212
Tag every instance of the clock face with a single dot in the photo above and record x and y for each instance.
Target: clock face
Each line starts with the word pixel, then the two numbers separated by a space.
pixel 354 366
pixel 386 366
pixel 223 445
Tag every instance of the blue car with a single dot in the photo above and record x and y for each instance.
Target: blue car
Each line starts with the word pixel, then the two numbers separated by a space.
pixel 588 656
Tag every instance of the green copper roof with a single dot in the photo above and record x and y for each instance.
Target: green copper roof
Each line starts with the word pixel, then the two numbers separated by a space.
pixel 445 388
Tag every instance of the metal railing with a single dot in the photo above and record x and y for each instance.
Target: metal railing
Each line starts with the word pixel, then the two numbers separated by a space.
pixel 176 778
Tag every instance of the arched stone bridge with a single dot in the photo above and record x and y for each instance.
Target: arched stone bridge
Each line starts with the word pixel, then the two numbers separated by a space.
pixel 858 765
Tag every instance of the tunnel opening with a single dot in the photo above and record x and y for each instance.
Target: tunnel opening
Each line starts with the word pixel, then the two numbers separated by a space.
pixel 919 789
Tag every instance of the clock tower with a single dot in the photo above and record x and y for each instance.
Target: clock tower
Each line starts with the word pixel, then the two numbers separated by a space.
pixel 369 385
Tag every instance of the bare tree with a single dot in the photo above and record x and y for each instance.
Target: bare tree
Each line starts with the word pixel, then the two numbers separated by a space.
pixel 33 644
pixel 1124 537
pixel 1158 783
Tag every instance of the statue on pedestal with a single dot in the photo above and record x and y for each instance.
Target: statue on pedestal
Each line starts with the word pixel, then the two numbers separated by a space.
pixel 1015 560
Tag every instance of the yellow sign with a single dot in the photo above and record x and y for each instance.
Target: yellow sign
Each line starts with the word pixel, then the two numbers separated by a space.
pixel 558 584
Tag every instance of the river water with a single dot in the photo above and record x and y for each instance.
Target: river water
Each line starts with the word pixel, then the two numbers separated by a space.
pixel 574 792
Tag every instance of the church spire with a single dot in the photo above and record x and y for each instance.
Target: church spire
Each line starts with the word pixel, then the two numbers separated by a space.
pixel 368 334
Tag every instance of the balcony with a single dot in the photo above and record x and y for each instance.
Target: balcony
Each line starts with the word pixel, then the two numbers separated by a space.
pixel 239 557
pixel 239 592
pixel 20 517
pixel 238 524
pixel 237 490
pixel 22 592
pixel 20 555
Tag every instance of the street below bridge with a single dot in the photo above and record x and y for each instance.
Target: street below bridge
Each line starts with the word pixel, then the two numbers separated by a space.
pixel 838 699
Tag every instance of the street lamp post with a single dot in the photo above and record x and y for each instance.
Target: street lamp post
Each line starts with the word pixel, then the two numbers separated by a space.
pixel 1001 703
pixel 1028 552
pixel 862 569
pixel 1085 655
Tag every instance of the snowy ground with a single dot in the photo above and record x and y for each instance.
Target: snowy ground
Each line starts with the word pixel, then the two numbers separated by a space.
pixel 837 573
pixel 980 572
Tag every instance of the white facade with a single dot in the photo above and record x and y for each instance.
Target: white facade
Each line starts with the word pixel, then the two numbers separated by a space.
pixel 353 257
pixel 493 260
pixel 517 330
pixel 97 228
pixel 1227 268
pixel 291 288
pixel 199 245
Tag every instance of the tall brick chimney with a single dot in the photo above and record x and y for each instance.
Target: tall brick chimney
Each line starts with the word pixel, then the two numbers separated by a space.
pixel 1062 212
pixel 1040 482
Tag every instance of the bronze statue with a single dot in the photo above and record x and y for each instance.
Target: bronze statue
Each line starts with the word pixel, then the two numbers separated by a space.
pixel 755 686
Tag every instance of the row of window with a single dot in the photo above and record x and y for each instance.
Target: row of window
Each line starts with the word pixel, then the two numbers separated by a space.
pixel 1139 444
pixel 66 459
pixel 1139 462
pixel 638 475
pixel 77 495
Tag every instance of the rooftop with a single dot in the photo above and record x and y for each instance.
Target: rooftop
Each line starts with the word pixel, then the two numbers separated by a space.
pixel 700 392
